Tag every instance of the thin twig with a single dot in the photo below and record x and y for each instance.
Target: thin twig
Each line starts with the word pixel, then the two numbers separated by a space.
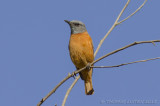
pixel 113 26
pixel 53 91
pixel 132 44
pixel 77 71
pixel 69 90
pixel 132 13
pixel 125 63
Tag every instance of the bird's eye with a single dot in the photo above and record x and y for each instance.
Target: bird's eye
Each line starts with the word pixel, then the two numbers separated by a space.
pixel 76 24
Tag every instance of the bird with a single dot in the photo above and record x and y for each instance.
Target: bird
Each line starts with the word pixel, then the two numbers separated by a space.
pixel 81 52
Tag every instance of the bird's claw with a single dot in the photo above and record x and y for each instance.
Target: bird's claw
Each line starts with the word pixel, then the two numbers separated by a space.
pixel 88 67
pixel 73 75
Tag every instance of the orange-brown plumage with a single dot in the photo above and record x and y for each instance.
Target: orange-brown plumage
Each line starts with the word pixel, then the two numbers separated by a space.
pixel 82 53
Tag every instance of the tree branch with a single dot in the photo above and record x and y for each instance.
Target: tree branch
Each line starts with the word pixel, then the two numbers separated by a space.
pixel 132 44
pixel 113 26
pixel 77 71
pixel 69 90
pixel 125 63
pixel 132 13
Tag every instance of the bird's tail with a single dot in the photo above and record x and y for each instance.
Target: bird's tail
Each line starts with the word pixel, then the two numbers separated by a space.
pixel 87 77
pixel 88 87
pixel 88 83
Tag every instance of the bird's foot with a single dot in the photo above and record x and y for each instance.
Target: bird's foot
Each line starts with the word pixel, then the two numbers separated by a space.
pixel 73 75
pixel 88 67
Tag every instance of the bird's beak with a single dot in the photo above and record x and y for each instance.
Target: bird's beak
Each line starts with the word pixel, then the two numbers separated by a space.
pixel 67 21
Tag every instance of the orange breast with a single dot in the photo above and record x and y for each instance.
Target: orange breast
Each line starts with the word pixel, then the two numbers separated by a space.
pixel 81 49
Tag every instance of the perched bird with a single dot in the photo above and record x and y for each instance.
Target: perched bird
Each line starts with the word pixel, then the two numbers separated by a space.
pixel 81 52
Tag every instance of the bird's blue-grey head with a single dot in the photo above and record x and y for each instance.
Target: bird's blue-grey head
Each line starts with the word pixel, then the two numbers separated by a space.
pixel 76 26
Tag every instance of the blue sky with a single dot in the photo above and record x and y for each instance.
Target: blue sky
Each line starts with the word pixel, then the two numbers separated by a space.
pixel 34 54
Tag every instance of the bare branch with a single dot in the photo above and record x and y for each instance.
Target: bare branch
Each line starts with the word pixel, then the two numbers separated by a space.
pixel 113 26
pixel 53 91
pixel 132 13
pixel 69 90
pixel 132 44
pixel 125 63
pixel 77 71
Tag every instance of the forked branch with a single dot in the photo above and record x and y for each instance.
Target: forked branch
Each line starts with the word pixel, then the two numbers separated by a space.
pixel 69 90
pixel 110 30
pixel 77 71
pixel 125 63
pixel 133 13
